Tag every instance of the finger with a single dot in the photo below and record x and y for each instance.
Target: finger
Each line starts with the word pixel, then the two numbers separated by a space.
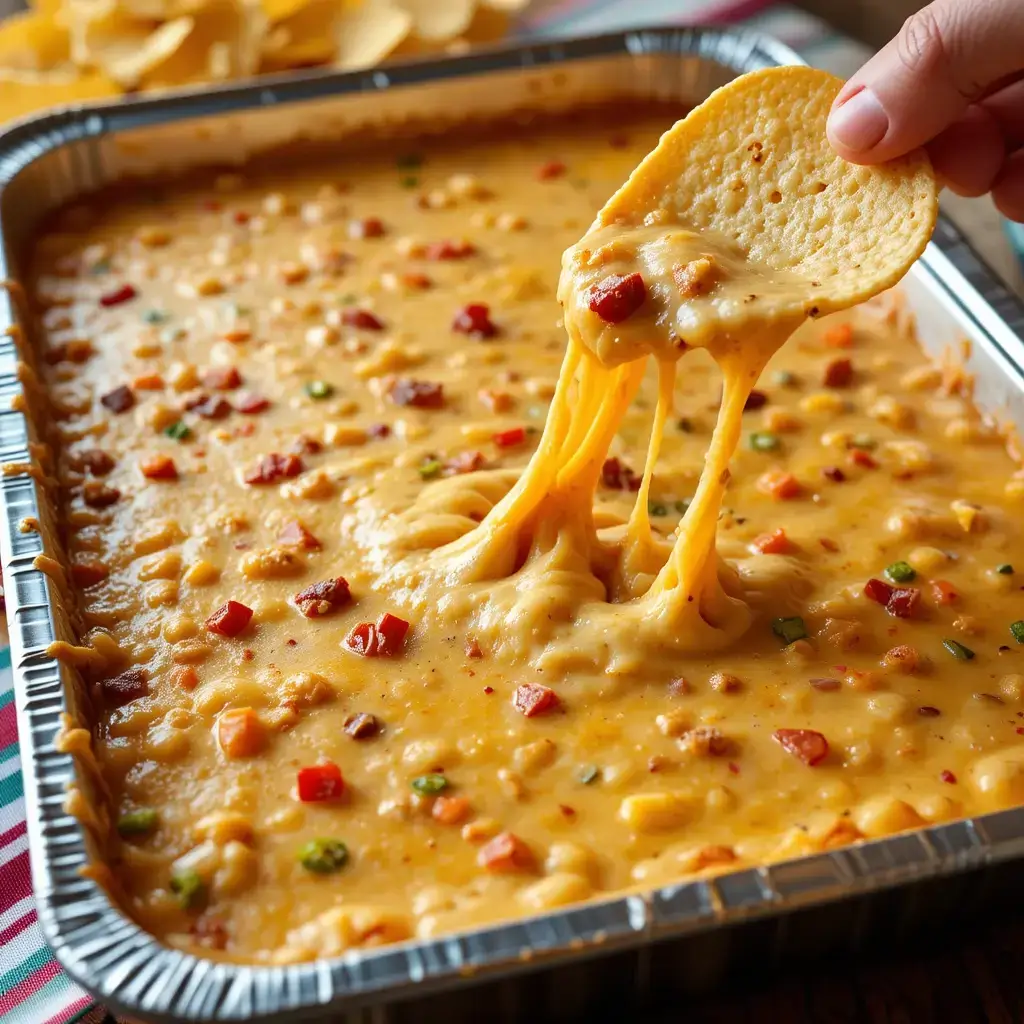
pixel 1007 107
pixel 968 156
pixel 946 56
pixel 1008 191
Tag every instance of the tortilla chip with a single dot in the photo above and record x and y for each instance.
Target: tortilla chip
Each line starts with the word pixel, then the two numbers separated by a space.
pixel 24 93
pixel 125 49
pixel 308 36
pixel 366 36
pixel 752 162
pixel 439 19
pixel 32 42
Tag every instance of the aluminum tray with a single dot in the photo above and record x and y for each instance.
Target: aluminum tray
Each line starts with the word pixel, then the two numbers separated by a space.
pixel 609 957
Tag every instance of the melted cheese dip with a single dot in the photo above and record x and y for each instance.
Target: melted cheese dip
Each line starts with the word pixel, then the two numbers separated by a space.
pixel 284 402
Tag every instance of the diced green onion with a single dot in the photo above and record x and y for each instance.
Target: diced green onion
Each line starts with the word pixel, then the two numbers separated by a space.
pixel 763 441
pixel 588 773
pixel 1005 569
pixel 323 856
pixel 319 389
pixel 137 823
pixel 430 469
pixel 958 650
pixel 100 267
pixel 430 785
pixel 409 181
pixel 188 887
pixel 155 316
pixel 900 572
pixel 178 431
pixel 790 628
pixel 863 441
pixel 784 378
pixel 656 508
pixel 685 425
pixel 682 505
pixel 409 161
pixel 1017 630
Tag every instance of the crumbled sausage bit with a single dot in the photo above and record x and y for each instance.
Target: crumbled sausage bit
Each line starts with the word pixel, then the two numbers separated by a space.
pixel 98 495
pixel 323 597
pixel 705 741
pixel 362 726
pixel 419 394
pixel 119 400
pixel 723 682
pixel 694 278
pixel 127 686
pixel 838 373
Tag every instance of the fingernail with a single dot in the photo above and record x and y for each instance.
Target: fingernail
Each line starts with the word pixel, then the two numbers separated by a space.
pixel 860 123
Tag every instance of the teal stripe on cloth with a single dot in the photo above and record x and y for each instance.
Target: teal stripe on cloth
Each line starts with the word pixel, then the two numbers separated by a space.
pixel 10 790
pixel 8 752
pixel 5 657
pixel 18 974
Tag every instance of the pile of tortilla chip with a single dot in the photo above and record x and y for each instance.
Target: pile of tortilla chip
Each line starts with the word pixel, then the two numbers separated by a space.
pixel 69 51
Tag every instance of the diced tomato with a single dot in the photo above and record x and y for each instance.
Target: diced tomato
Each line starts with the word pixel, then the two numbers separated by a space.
pixel 475 320
pixel 859 457
pixel 506 852
pixel 944 592
pixel 450 810
pixel 222 378
pixel 251 404
pixel 776 543
pixel 185 676
pixel 839 336
pixel 552 169
pixel 241 733
pixel 323 597
pixel 229 619
pixel 159 467
pixel 89 573
pixel 131 684
pixel 448 250
pixel 320 782
pixel 119 400
pixel 123 294
pixel 368 227
pixel 362 319
pixel 617 297
pixel 531 699
pixel 274 467
pixel 464 462
pixel 780 485
pixel 362 639
pixel 511 438
pixel 295 535
pixel 391 632
pixel 805 744
pixel 878 591
pixel 838 373
pixel 420 394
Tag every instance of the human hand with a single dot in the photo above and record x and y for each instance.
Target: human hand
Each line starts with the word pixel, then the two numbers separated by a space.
pixel 953 81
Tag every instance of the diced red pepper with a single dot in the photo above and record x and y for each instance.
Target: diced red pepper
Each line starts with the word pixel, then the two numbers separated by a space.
pixel 250 404
pixel 944 592
pixel 362 640
pixel 229 619
pixel 362 319
pixel 780 485
pixel 805 744
pixel 840 336
pixel 391 632
pixel 323 597
pixel 185 676
pixel 119 400
pixel 222 378
pixel 859 457
pixel 552 169
pixel 159 467
pixel 368 227
pixel 450 810
pixel 776 543
pixel 475 320
pixel 511 438
pixel 131 684
pixel 506 852
pixel 148 382
pixel 464 462
pixel 838 373
pixel 420 394
pixel 123 294
pixel 617 297
pixel 878 591
pixel 320 782
pixel 274 467
pixel 295 535
pixel 448 250
pixel 531 699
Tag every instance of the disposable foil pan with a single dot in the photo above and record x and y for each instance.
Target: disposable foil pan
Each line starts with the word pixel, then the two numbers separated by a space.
pixel 610 956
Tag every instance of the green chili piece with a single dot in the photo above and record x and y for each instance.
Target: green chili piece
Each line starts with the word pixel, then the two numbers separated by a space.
pixel 137 823
pixel 1017 630
pixel 319 389
pixel 656 508
pixel 430 469
pixel 900 572
pixel 588 773
pixel 178 431
pixel 789 629
pixel 188 887
pixel 430 785
pixel 763 441
pixel 1005 569
pixel 323 856
pixel 958 650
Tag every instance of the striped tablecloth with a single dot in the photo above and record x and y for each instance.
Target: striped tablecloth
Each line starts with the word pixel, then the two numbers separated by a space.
pixel 33 989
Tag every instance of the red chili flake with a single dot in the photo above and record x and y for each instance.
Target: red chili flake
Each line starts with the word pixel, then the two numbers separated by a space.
pixel 679 687
pixel 274 467
pixel 448 250
pixel 531 699
pixel 378 431
pixel 618 476
pixel 159 467
pixel 362 726
pixel 927 711
pixel 248 654
pixel 229 619
pixel 755 400
pixel 859 457
pixel 473 648
pixel 826 685
pixel 552 169
pixel 295 535
pixel 213 408
pixel 323 597
pixel 245 430
pixel 251 404
pixel 806 744
pixel 420 394
pixel 833 473
pixel 94 461
pixel 1020 730
pixel 362 319
pixel 464 462
pixel 292 642
pixel 320 782
pixel 368 227
pixel 617 297
pixel 511 438
pixel 123 294
pixel 119 400
pixel 488 690
pixel 570 812
pixel 222 378
pixel 475 320
pixel 97 495
pixel 838 373
pixel 129 685
pixel 948 776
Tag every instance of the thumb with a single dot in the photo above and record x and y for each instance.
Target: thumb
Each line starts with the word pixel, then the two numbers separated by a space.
pixel 946 57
